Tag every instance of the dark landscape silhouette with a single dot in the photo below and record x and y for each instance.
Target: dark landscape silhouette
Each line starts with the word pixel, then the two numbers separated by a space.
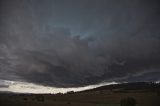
pixel 126 94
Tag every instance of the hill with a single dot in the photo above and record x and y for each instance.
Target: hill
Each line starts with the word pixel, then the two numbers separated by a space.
pixel 126 94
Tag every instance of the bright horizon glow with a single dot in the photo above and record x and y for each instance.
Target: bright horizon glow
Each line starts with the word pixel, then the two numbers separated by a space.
pixel 25 87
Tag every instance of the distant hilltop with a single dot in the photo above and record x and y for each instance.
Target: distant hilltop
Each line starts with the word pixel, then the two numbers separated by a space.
pixel 147 86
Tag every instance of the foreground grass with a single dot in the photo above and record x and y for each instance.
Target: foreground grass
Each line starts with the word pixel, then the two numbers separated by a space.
pixel 143 94
pixel 105 98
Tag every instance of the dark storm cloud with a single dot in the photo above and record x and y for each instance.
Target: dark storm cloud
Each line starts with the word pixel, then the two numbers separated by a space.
pixel 75 43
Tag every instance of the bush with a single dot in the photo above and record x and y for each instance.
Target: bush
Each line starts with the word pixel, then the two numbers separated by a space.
pixel 25 99
pixel 158 93
pixel 129 101
pixel 40 98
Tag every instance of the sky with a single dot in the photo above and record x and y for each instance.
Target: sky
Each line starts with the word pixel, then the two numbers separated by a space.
pixel 77 43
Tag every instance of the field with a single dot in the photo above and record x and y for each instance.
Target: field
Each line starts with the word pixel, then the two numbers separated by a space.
pixel 97 97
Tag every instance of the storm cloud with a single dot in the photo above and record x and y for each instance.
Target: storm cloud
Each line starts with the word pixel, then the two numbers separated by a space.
pixel 66 43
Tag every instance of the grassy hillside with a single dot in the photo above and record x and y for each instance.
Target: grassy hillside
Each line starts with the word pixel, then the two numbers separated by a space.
pixel 144 94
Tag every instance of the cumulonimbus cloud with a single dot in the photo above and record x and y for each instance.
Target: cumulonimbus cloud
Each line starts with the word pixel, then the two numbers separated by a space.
pixel 115 43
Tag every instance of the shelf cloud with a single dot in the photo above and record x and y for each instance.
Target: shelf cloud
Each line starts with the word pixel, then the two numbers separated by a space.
pixel 68 43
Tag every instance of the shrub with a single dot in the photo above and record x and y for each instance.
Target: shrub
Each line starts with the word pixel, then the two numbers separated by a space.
pixel 25 99
pixel 40 98
pixel 129 101
pixel 158 93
